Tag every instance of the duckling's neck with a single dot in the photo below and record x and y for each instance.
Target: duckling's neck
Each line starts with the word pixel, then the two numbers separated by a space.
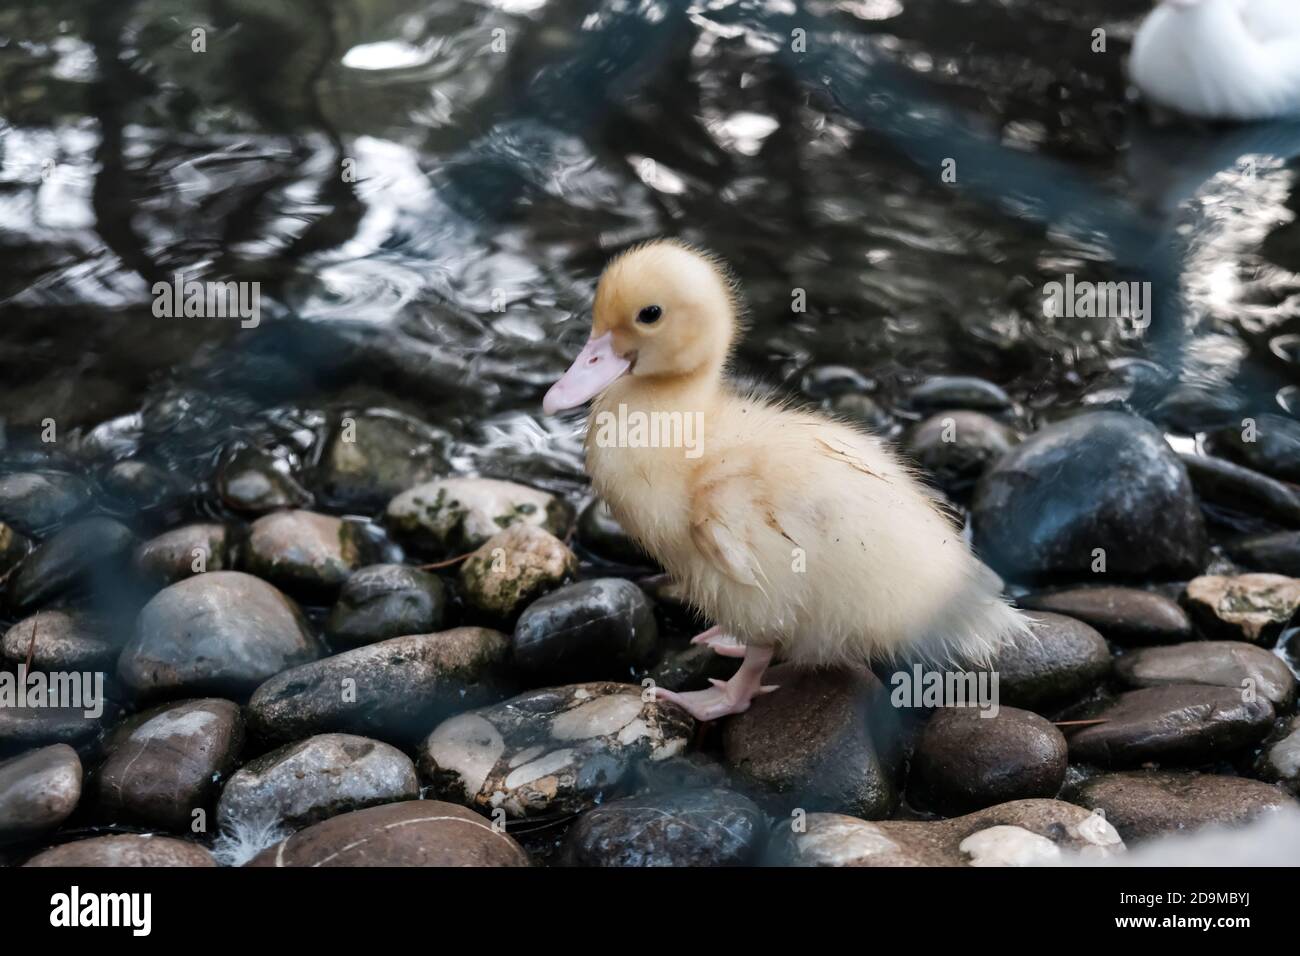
pixel 696 391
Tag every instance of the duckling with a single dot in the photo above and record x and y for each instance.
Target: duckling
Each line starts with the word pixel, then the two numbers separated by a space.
pixel 797 535
pixel 1221 59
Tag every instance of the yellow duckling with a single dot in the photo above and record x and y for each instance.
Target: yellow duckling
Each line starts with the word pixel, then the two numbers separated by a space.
pixel 797 535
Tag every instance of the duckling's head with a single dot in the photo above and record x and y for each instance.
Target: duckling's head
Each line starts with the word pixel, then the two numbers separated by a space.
pixel 663 311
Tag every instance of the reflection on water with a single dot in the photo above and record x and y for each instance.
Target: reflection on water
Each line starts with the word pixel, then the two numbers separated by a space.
pixel 426 192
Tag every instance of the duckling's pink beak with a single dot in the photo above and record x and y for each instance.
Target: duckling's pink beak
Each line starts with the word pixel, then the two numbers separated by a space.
pixel 593 371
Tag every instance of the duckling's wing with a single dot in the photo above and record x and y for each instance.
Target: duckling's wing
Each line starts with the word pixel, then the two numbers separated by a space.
pixel 720 512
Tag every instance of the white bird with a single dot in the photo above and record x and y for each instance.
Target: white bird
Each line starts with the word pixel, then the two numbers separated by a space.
pixel 796 534
pixel 1221 59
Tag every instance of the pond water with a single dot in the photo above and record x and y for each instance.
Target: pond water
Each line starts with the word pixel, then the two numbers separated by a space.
pixel 425 194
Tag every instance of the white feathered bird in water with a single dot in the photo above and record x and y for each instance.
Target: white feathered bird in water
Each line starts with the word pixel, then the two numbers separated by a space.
pixel 798 535
pixel 1221 59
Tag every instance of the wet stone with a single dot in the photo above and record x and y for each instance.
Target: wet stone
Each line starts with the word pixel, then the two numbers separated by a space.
pixel 1142 804
pixel 957 447
pixel 705 827
pixel 222 632
pixel 60 640
pixel 32 502
pixel 942 392
pixel 1233 664
pixel 513 568
pixel 313 779
pixel 552 751
pixel 86 555
pixel 164 764
pixel 1244 607
pixel 1275 553
pixel 394 690
pixel 601 534
pixel 965 760
pixel 861 410
pixel 304 552
pixel 125 850
pixel 183 552
pixel 1061 662
pixel 1272 445
pixel 692 667
pixel 597 629
pixel 372 456
pixel 38 791
pixel 22 728
pixel 826 741
pixel 1279 758
pixel 1178 724
pixel 13 547
pixel 1020 833
pixel 1241 490
pixel 1100 480
pixel 411 833
pixel 831 381
pixel 255 482
pixel 138 486
pixel 454 515
pixel 1128 616
pixel 383 601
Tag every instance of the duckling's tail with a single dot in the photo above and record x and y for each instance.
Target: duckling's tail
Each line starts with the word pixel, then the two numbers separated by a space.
pixel 974 626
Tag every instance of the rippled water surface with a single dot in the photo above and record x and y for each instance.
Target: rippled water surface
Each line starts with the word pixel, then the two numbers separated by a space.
pixel 426 192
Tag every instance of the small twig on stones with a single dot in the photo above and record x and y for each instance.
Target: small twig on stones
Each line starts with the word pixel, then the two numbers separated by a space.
pixel 31 645
pixel 443 564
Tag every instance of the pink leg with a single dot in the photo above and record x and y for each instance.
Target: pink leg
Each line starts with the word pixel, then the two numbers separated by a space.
pixel 722 643
pixel 726 697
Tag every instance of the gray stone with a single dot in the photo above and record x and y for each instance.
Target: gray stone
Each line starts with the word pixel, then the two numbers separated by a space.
pixel 253 481
pixel 304 552
pixel 703 827
pixel 222 632
pixel 164 764
pixel 956 447
pixel 38 791
pixel 1233 664
pixel 1142 804
pixel 383 601
pixel 1020 833
pixel 825 741
pixel 600 629
pixel 941 392
pixel 1242 490
pixel 1276 553
pixel 35 501
pixel 83 555
pixel 600 533
pixel 60 640
pixel 552 751
pixel 183 552
pixel 124 850
pixel 1060 662
pixel 411 833
pixel 1179 724
pixel 1127 616
pixel 394 690
pixel 454 515
pixel 316 778
pixel 966 760
pixel 371 456
pixel 1098 480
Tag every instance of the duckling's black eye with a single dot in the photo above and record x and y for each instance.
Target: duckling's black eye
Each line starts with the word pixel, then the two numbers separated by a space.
pixel 649 315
